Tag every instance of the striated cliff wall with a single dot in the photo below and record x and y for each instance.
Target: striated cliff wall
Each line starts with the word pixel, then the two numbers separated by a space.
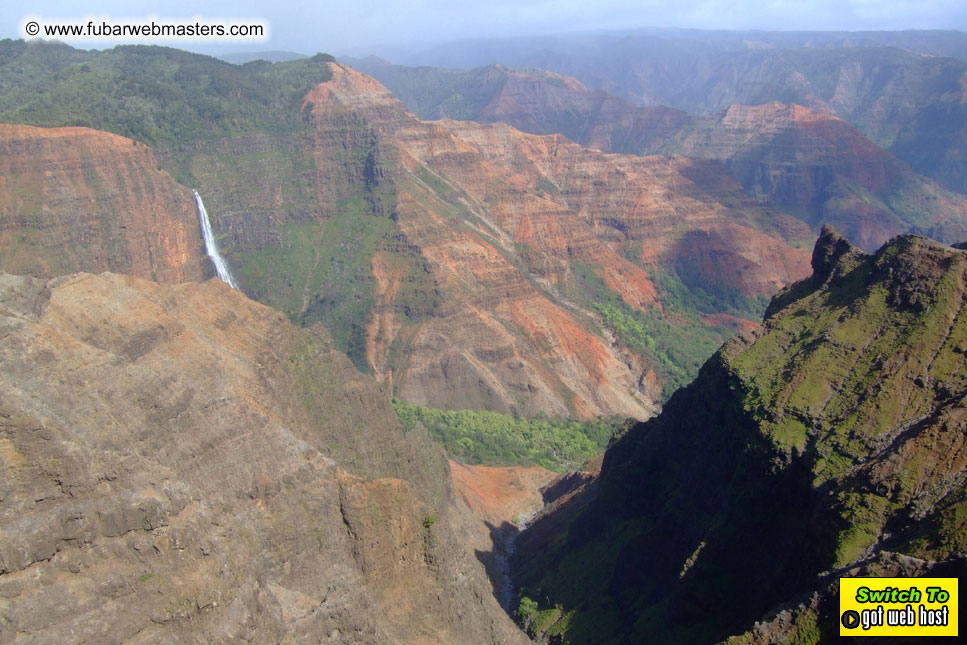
pixel 490 223
pixel 74 199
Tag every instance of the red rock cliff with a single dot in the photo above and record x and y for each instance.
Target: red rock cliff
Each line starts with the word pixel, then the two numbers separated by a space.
pixel 500 219
pixel 75 199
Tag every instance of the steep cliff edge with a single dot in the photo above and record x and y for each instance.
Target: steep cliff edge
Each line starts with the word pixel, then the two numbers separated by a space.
pixel 180 463
pixel 75 199
pixel 829 442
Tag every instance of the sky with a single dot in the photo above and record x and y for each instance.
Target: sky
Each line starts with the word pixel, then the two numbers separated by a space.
pixel 349 27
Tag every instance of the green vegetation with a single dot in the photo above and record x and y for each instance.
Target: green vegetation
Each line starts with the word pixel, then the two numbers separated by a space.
pixel 482 437
pixel 322 272
pixel 544 185
pixel 526 609
pixel 433 93
pixel 676 341
pixel 156 95
pixel 803 452
pixel 542 623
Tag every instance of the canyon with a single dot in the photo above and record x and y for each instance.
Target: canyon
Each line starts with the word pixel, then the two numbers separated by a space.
pixel 806 161
pixel 181 460
pixel 903 90
pixel 472 266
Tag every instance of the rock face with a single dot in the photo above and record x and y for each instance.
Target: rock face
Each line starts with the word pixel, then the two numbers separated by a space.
pixel 830 442
pixel 487 224
pixel 180 463
pixel 74 199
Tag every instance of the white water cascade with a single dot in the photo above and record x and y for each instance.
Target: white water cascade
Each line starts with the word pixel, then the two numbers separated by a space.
pixel 211 246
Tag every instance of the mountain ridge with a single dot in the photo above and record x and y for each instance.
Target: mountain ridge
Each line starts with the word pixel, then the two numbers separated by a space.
pixel 804 160
pixel 829 439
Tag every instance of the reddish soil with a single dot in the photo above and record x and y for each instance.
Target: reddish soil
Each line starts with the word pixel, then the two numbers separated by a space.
pixel 500 494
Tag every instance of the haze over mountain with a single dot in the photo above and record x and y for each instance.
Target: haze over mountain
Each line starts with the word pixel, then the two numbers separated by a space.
pixel 854 76
pixel 271 56
pixel 378 25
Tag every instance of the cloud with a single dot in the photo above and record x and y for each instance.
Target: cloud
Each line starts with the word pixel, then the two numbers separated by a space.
pixel 344 26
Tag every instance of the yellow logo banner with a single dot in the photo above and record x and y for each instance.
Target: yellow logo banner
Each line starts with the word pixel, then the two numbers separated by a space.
pixel 898 606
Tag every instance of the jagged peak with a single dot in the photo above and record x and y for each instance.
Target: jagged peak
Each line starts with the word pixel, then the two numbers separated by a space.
pixel 833 254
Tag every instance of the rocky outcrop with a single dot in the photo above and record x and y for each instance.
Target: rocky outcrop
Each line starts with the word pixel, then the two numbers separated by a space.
pixel 182 464
pixel 74 199
pixel 830 442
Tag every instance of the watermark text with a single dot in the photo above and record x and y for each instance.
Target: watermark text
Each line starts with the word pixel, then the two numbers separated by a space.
pixel 101 29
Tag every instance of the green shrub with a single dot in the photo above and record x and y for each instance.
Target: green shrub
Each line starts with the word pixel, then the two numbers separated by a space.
pixel 483 437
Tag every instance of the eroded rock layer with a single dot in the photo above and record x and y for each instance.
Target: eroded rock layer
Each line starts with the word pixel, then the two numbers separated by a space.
pixel 75 199
pixel 494 222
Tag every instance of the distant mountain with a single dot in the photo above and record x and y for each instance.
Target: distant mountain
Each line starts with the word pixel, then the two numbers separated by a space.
pixel 475 52
pixel 818 167
pixel 274 56
pixel 531 100
pixel 903 90
pixel 830 442
pixel 805 161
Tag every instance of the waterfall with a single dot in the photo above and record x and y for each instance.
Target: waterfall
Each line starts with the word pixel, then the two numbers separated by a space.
pixel 211 246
